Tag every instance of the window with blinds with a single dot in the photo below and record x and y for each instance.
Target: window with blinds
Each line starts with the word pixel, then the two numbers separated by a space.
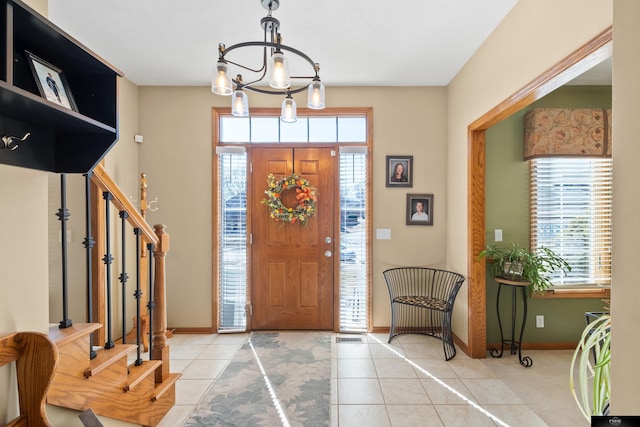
pixel 570 209
pixel 232 241
pixel 353 240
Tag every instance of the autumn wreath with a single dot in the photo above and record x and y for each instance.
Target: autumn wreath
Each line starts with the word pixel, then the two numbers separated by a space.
pixel 305 195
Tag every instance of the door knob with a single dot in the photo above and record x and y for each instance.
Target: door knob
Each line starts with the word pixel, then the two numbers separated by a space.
pixel 327 254
pixel 327 239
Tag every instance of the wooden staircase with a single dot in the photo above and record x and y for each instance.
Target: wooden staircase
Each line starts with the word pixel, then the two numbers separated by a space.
pixel 108 384
pixel 116 382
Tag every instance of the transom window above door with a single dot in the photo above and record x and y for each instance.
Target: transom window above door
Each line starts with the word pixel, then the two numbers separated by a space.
pixel 322 129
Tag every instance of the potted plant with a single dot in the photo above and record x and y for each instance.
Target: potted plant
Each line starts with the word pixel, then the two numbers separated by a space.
pixel 513 262
pixel 590 370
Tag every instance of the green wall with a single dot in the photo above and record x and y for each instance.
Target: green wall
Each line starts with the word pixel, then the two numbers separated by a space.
pixel 507 208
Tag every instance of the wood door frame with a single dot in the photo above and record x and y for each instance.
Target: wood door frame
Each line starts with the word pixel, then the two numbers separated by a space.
pixel 581 60
pixel 367 112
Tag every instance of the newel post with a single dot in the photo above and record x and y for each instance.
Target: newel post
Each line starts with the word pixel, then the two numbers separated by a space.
pixel 160 349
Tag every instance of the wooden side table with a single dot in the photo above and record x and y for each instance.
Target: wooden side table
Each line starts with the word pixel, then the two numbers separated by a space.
pixel 514 346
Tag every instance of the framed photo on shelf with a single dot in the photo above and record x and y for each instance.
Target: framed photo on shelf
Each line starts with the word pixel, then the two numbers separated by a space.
pixel 399 171
pixel 51 82
pixel 419 209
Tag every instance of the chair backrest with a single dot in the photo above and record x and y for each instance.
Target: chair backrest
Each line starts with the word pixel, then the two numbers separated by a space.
pixel 423 281
pixel 36 358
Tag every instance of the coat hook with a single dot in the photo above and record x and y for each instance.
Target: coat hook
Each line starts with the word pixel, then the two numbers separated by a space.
pixel 7 141
pixel 151 203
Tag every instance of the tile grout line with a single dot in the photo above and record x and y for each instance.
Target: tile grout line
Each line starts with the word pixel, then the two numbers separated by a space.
pixel 443 384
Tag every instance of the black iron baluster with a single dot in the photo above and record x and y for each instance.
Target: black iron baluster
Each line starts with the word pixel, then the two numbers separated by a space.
pixel 137 295
pixel 89 243
pixel 124 277
pixel 63 215
pixel 151 305
pixel 108 259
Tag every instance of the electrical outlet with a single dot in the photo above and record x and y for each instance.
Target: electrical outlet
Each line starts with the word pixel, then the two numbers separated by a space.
pixel 539 321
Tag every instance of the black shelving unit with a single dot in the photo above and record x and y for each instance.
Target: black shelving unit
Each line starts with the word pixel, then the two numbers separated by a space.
pixel 61 140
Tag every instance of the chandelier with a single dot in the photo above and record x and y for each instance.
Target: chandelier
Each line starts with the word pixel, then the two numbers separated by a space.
pixel 274 68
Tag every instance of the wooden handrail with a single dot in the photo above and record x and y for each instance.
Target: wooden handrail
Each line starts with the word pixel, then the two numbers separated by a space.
pixel 156 236
pixel 101 178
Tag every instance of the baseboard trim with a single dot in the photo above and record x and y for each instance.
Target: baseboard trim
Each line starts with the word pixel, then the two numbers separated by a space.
pixel 461 345
pixel 192 330
pixel 540 346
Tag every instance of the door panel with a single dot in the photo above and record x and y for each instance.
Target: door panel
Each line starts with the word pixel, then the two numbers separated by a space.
pixel 292 278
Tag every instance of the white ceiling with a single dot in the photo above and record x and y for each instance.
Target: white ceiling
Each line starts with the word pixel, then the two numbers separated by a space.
pixel 356 42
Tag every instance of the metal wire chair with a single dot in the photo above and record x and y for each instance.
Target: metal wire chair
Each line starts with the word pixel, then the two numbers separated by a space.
pixel 422 303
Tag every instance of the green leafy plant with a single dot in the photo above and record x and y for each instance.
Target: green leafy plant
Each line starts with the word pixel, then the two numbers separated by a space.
pixel 513 262
pixel 591 362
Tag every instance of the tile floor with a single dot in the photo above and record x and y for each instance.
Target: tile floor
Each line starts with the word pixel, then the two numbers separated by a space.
pixel 407 383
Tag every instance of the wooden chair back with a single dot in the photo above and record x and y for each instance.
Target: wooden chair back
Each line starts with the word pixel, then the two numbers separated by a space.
pixel 36 358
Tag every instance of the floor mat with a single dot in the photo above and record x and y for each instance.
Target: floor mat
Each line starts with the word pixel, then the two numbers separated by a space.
pixel 274 379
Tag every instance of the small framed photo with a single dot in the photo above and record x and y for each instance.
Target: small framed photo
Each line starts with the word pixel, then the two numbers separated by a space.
pixel 419 209
pixel 51 82
pixel 399 171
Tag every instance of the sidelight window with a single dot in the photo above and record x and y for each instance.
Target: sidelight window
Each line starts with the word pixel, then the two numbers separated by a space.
pixel 232 239
pixel 353 239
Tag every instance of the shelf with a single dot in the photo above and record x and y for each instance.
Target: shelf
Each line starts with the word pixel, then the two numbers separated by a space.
pixel 26 107
pixel 504 281
pixel 61 139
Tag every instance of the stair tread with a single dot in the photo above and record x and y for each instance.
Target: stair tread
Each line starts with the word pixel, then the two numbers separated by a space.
pixel 77 330
pixel 105 357
pixel 165 386
pixel 139 373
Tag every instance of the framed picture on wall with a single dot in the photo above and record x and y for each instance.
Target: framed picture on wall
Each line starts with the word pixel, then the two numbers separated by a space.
pixel 419 209
pixel 399 171
pixel 51 82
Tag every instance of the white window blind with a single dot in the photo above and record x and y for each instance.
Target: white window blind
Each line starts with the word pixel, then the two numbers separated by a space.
pixel 353 241
pixel 232 241
pixel 570 208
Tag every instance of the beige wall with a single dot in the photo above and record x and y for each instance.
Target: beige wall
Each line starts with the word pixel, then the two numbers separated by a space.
pixel 122 161
pixel 40 6
pixel 177 154
pixel 23 261
pixel 625 369
pixel 23 264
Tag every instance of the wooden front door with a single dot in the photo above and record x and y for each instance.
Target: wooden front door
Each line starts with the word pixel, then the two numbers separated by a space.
pixel 293 264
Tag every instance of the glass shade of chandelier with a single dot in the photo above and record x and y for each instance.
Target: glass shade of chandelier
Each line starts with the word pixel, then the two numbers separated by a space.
pixel 274 70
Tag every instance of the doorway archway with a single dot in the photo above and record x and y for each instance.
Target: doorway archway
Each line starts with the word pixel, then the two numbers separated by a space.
pixel 581 60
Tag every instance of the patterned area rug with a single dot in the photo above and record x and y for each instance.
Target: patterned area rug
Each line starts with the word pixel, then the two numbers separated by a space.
pixel 295 392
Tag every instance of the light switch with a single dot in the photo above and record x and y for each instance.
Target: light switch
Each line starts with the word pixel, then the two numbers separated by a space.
pixel 383 233
pixel 498 235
